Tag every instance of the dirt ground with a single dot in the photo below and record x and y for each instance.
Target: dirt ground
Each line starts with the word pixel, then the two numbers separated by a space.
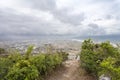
pixel 70 71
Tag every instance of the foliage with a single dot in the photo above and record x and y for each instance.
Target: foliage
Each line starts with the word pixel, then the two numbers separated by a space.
pixel 39 62
pixel 110 68
pixel 28 66
pixel 88 57
pixel 2 51
pixel 6 63
pixel 22 70
pixel 28 52
pixel 100 59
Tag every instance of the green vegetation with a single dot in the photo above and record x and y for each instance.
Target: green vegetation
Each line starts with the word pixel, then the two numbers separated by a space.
pixel 28 66
pixel 2 51
pixel 99 59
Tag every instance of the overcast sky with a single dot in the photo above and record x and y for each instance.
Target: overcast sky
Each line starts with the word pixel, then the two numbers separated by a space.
pixel 21 18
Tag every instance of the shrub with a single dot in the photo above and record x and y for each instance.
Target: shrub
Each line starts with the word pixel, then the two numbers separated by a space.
pixel 22 70
pixel 100 59
pixel 28 66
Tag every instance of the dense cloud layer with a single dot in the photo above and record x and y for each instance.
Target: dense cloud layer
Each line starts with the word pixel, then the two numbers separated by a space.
pixel 21 18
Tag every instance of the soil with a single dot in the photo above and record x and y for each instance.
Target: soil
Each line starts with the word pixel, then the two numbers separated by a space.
pixel 70 71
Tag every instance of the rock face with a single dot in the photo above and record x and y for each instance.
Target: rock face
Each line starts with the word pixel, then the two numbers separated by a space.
pixel 103 77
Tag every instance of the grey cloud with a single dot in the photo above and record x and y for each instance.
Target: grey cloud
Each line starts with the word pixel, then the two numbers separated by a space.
pixel 112 16
pixel 62 15
pixel 95 29
pixel 109 16
pixel 98 19
pixel 24 25
pixel 103 1
pixel 39 4
pixel 65 16
pixel 62 19
pixel 113 8
pixel 118 17
pixel 93 25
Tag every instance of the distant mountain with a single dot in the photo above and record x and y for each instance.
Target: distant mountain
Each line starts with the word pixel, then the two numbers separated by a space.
pixel 112 38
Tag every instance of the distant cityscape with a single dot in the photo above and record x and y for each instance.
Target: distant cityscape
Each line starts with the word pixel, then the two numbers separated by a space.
pixel 42 46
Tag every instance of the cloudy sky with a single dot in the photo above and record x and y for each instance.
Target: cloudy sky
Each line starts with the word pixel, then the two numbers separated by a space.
pixel 23 18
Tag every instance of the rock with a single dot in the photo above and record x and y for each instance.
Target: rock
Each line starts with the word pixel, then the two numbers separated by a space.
pixel 78 58
pixel 104 77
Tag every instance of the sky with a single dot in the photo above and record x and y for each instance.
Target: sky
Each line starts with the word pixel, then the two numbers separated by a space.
pixel 36 18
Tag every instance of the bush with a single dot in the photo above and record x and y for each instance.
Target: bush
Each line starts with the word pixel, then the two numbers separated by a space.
pixel 39 62
pixel 22 70
pixel 7 63
pixel 110 68
pixel 100 59
pixel 29 67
